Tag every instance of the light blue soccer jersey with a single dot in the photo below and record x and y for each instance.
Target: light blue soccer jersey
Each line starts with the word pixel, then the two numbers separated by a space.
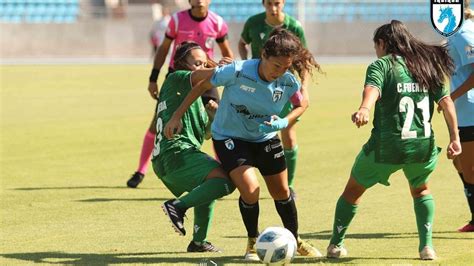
pixel 247 100
pixel 461 49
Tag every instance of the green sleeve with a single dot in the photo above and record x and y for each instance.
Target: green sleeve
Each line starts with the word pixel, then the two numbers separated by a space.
pixel 180 82
pixel 300 34
pixel 246 32
pixel 375 75
pixel 439 93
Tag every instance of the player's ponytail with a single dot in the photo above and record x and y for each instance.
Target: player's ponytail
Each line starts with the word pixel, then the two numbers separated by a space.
pixel 182 53
pixel 428 64
pixel 282 42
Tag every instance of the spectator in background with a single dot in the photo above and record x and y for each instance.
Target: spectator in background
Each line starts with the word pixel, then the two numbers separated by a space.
pixel 197 24
pixel 161 19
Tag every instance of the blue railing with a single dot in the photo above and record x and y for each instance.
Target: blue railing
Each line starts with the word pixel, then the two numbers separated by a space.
pixel 39 11
pixel 330 10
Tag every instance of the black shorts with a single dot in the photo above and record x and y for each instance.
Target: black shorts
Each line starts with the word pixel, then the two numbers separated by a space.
pixel 211 94
pixel 268 156
pixel 466 134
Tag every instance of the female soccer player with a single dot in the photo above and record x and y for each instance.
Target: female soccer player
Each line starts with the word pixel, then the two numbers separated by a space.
pixel 197 24
pixel 255 33
pixel 178 162
pixel 245 128
pixel 404 83
pixel 461 50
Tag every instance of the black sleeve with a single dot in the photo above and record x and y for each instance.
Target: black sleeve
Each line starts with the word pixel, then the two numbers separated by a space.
pixel 222 39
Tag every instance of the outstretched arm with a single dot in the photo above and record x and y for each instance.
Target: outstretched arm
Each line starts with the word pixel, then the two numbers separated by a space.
pixel 200 80
pixel 449 112
pixel 369 97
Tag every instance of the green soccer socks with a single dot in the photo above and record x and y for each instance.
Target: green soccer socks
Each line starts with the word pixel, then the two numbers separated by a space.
pixel 291 156
pixel 424 211
pixel 342 218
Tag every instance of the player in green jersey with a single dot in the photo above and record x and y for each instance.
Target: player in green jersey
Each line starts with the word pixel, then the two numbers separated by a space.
pixel 178 162
pixel 255 33
pixel 403 84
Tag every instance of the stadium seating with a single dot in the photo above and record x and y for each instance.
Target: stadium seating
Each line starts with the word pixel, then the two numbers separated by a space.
pixel 39 11
pixel 331 10
pixel 67 11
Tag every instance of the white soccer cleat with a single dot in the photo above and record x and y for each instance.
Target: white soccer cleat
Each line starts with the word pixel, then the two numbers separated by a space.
pixel 251 252
pixel 427 253
pixel 250 256
pixel 336 252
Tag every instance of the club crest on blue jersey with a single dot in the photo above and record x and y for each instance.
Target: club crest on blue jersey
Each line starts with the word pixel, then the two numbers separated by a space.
pixel 277 94
pixel 229 144
pixel 446 16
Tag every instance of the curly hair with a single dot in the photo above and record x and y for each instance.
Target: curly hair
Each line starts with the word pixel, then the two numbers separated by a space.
pixel 282 42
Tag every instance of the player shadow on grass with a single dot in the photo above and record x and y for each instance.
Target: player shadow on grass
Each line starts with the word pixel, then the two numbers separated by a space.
pixel 63 258
pixel 121 199
pixel 143 199
pixel 326 235
pixel 77 187
pixel 121 258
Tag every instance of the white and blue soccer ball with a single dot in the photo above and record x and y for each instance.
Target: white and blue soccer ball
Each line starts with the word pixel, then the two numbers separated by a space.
pixel 276 246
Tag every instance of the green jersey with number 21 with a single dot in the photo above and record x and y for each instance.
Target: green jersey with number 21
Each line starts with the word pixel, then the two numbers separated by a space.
pixel 402 118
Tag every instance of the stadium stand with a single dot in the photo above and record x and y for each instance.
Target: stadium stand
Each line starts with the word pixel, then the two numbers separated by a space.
pixel 39 11
pixel 67 11
pixel 330 10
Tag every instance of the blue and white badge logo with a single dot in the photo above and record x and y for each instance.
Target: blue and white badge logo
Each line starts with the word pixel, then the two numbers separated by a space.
pixel 277 94
pixel 229 144
pixel 447 16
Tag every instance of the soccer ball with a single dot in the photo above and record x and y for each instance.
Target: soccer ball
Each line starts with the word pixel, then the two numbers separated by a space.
pixel 276 246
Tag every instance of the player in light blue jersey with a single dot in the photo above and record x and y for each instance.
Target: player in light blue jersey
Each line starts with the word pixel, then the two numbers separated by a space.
pixel 240 115
pixel 246 124
pixel 461 50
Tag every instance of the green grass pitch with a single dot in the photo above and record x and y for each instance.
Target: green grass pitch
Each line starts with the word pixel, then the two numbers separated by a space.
pixel 71 136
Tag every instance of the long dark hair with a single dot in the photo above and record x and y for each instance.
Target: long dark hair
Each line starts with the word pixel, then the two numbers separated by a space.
pixel 182 53
pixel 428 64
pixel 282 42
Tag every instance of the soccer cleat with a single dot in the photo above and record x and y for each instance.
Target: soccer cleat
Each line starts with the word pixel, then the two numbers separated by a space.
pixel 202 247
pixel 427 253
pixel 336 252
pixel 136 179
pixel 306 249
pixel 175 215
pixel 251 252
pixel 467 228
